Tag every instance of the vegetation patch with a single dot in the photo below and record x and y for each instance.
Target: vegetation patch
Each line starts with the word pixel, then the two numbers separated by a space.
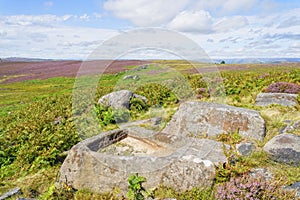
pixel 283 87
pixel 247 187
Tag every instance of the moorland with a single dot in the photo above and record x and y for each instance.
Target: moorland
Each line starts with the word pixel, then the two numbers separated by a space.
pixel 35 94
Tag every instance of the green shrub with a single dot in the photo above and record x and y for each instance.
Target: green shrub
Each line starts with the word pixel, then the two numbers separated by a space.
pixel 137 106
pixel 107 115
pixel 157 94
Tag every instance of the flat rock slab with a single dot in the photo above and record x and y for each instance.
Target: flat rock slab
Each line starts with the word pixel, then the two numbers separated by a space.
pixel 284 99
pixel 11 193
pixel 170 160
pixel 284 148
pixel 202 118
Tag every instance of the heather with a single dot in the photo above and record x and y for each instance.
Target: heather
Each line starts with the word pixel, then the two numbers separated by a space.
pixel 252 188
pixel 283 87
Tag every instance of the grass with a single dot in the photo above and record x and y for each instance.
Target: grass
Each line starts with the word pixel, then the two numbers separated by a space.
pixel 29 108
pixel 4 78
pixel 17 95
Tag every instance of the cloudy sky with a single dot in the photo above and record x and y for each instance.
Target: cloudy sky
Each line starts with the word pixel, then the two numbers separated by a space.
pixel 65 29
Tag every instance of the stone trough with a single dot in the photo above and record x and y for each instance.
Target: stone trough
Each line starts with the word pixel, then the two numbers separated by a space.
pixel 137 146
pixel 105 161
pixel 174 157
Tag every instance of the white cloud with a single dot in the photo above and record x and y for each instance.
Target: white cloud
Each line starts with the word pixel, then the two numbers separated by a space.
pixel 28 20
pixel 195 21
pixel 290 19
pixel 81 44
pixel 3 34
pixel 145 12
pixel 295 45
pixel 226 34
pixel 84 17
pixel 37 37
pixel 51 41
pixel 230 23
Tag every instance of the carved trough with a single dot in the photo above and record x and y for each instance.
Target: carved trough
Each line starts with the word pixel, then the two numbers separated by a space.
pixel 104 162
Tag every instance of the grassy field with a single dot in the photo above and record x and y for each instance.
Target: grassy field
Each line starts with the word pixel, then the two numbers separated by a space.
pixel 32 146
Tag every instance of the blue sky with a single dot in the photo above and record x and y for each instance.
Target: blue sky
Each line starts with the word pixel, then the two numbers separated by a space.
pixel 223 28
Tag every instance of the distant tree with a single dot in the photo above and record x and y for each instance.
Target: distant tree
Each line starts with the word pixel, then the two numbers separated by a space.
pixel 222 62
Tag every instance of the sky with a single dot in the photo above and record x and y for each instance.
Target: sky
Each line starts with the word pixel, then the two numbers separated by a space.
pixel 73 29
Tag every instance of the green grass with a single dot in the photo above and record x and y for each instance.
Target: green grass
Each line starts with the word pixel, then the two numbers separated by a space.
pixel 14 96
pixel 31 146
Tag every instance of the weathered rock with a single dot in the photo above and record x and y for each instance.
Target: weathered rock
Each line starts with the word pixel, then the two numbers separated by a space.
pixel 294 187
pixel 138 130
pixel 171 160
pixel 134 77
pixel 261 172
pixel 284 148
pixel 292 126
pixel 156 120
pixel 151 122
pixel 119 99
pixel 139 68
pixel 127 77
pixel 202 118
pixel 245 148
pixel 140 97
pixel 11 193
pixel 284 99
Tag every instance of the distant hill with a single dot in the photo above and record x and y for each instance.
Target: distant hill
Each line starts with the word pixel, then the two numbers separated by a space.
pixel 19 59
pixel 227 60
pixel 256 60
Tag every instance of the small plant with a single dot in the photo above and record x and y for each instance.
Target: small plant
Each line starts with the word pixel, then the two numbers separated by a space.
pixel 236 164
pixel 137 106
pixel 230 138
pixel 136 190
pixel 108 115
pixel 247 187
pixel 283 87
